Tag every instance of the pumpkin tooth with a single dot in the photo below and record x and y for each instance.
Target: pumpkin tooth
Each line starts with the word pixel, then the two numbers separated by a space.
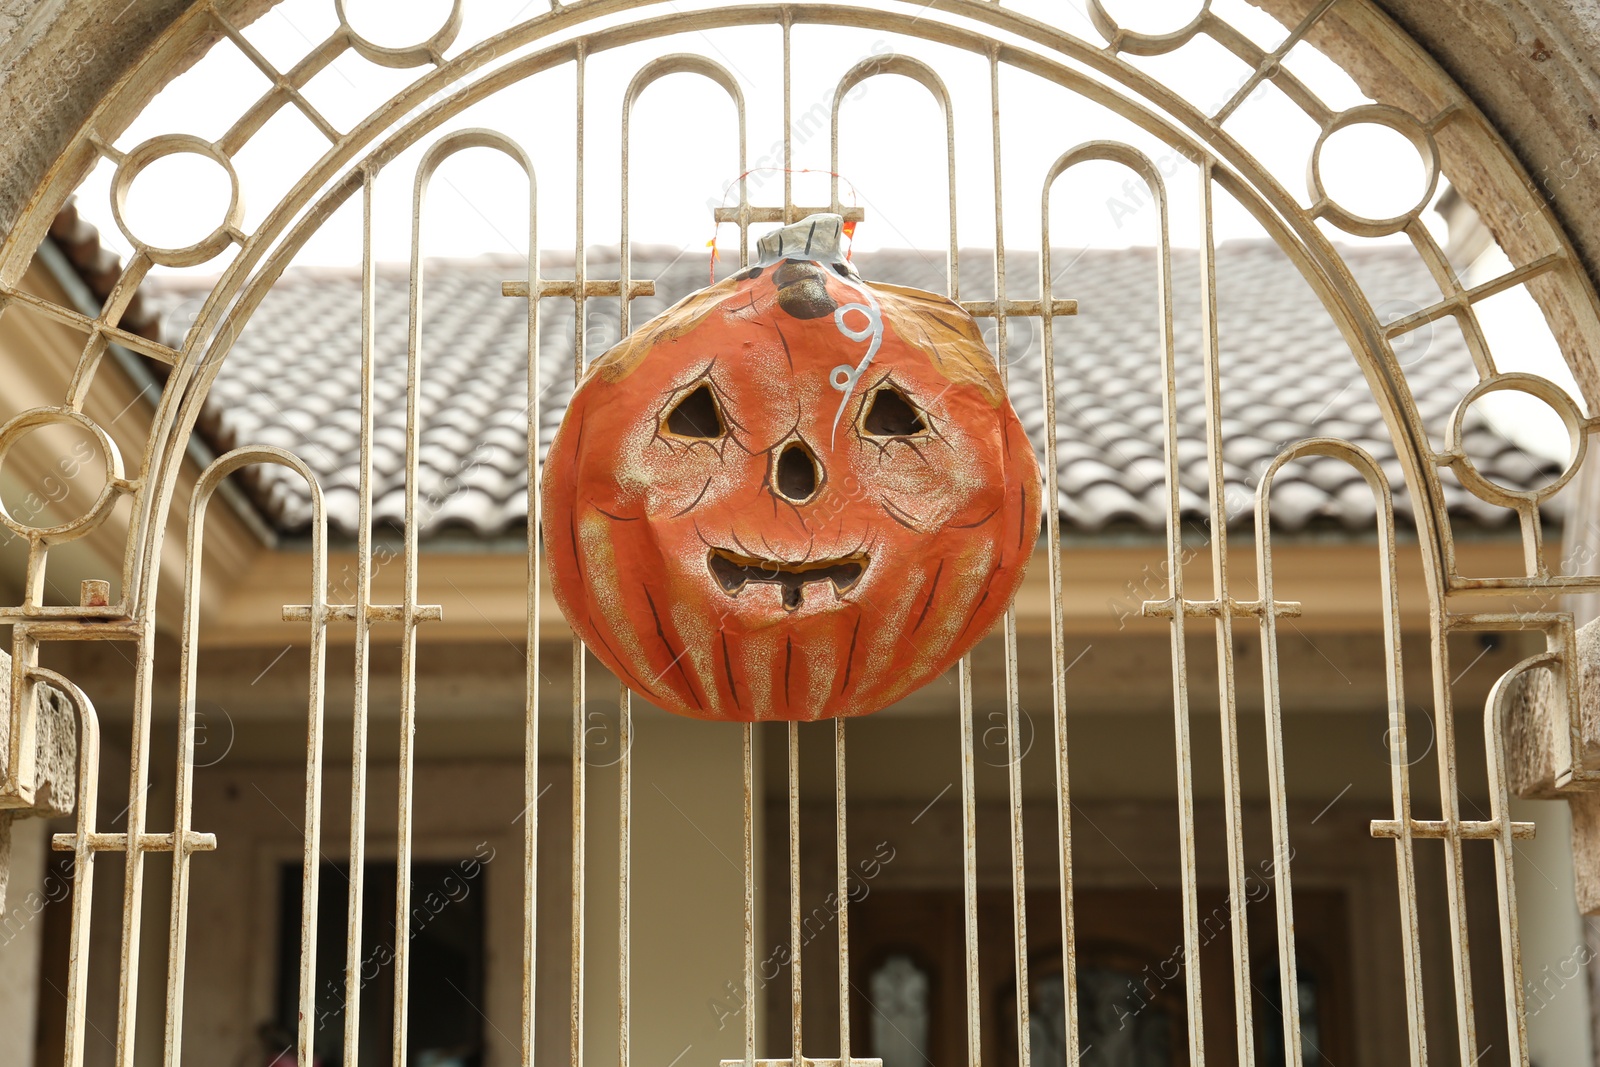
pixel 733 572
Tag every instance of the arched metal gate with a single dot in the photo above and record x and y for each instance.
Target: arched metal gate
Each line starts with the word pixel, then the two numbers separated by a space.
pixel 448 76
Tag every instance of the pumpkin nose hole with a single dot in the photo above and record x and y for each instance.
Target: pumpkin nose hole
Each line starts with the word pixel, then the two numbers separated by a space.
pixel 796 475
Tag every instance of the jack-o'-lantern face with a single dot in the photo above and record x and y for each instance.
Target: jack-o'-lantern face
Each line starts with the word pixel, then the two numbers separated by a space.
pixel 794 495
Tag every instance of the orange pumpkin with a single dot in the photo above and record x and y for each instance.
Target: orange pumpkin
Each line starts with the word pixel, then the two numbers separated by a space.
pixel 793 495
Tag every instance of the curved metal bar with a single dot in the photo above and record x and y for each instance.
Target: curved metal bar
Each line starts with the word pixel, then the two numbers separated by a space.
pixel 210 479
pixel 432 159
pixel 928 78
pixel 1147 171
pixel 1217 491
pixel 1108 151
pixel 435 157
pixel 649 74
pixel 1494 743
pixel 79 842
pixel 1399 763
pixel 1015 751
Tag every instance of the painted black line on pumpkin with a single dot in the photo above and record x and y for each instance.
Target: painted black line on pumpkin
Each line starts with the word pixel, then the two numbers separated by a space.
pixel 1022 517
pixel 614 518
pixel 742 546
pixel 976 608
pixel 676 660
pixel 572 528
pixel 622 663
pixel 788 661
pixel 975 525
pixel 785 342
pixel 890 509
pixel 929 603
pixel 696 501
pixel 727 665
pixel 850 656
pixel 748 306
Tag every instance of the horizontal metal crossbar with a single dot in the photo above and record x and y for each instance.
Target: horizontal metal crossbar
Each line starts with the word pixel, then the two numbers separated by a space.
pixel 374 613
pixel 569 288
pixel 1469 831
pixel 988 309
pixel 747 214
pixel 1212 609
pixel 98 842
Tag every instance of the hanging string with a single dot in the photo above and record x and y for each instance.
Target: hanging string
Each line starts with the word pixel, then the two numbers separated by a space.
pixel 849 226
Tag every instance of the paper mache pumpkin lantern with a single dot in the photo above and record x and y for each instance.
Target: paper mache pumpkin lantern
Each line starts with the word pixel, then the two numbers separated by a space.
pixel 793 495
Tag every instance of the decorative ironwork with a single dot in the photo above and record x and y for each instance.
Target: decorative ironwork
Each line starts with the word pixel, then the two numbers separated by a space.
pixel 451 76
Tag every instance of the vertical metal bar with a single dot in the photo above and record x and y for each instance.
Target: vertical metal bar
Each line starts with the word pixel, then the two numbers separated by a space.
pixel 1450 811
pixel 1504 852
pixel 789 214
pixel 1399 763
pixel 969 868
pixel 77 994
pixel 624 864
pixel 579 666
pixel 1233 802
pixel 363 644
pixel 133 879
pixel 1019 899
pixel 311 857
pixel 624 698
pixel 749 897
pixel 530 682
pixel 1277 786
pixel 178 922
pixel 1058 649
pixel 183 843
pixel 1404 848
pixel 841 860
pixel 1399 773
pixel 408 644
pixel 795 944
pixel 1180 667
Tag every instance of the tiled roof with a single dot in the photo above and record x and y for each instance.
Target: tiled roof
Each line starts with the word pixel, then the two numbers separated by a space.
pixel 293 380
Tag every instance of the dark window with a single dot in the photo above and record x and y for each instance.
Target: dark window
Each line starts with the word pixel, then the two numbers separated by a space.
pixel 447 963
pixel 1270 987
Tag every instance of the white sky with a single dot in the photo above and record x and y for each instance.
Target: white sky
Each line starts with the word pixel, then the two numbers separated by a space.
pixel 892 144
pixel 684 147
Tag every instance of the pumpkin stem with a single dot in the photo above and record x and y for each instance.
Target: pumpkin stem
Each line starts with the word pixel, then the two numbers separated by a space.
pixel 819 238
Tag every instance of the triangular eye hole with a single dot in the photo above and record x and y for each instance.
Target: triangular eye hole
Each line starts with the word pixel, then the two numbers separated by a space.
pixel 890 414
pixel 696 415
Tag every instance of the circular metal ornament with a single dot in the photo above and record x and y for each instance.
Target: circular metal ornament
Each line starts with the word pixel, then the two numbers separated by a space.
pixel 1401 122
pixel 1136 43
pixel 401 57
pixel 1540 389
pixel 35 418
pixel 206 247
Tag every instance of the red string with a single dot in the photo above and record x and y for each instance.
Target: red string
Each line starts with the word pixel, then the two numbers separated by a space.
pixel 849 226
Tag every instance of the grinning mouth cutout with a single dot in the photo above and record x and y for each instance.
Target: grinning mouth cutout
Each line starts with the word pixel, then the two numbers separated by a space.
pixel 733 571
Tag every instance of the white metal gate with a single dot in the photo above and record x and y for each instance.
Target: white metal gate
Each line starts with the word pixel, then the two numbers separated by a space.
pixel 450 75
